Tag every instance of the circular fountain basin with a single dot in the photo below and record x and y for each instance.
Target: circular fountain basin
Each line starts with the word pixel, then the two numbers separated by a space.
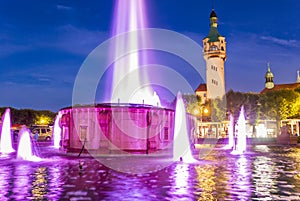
pixel 109 128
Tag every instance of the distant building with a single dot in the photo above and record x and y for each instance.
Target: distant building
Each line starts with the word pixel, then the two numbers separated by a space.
pixel 271 86
pixel 201 91
pixel 214 53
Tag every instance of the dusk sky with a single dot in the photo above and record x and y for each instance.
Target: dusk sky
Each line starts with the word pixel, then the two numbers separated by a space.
pixel 43 43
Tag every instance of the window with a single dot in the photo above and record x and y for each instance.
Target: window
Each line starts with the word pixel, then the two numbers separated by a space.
pixel 214 82
pixel 43 130
pixel 204 95
pixel 213 48
pixel 166 133
pixel 83 133
pixel 214 67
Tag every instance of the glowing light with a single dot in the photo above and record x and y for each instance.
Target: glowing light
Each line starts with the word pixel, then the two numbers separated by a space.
pixel 261 130
pixel 6 142
pixel 181 146
pixel 240 146
pixel 181 178
pixel 57 131
pixel 25 151
pixel 130 17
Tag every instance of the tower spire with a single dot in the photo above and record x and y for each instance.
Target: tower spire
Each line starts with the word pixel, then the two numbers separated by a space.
pixel 269 84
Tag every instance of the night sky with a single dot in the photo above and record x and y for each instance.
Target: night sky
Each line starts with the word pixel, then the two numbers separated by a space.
pixel 43 43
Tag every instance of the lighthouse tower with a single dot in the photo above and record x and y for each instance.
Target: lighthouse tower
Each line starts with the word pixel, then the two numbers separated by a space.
pixel 214 53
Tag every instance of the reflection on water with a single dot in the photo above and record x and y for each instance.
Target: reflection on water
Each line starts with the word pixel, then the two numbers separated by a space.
pixel 262 173
pixel 180 187
pixel 206 182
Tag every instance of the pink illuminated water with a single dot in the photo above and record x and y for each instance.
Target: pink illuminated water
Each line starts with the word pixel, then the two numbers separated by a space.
pixel 6 142
pixel 25 151
pixel 128 81
pixel 241 144
pixel 57 131
pixel 181 145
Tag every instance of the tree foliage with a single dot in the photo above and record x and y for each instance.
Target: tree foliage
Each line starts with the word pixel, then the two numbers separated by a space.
pixel 235 100
pixel 28 116
pixel 280 104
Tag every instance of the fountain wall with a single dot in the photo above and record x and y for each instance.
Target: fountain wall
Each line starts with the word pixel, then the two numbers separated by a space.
pixel 111 128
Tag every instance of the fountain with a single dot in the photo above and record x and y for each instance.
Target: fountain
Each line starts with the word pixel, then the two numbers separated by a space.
pixel 25 148
pixel 181 144
pixel 57 131
pixel 6 142
pixel 240 145
pixel 130 16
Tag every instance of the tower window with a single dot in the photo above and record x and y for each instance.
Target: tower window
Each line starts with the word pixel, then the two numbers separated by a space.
pixel 213 48
pixel 214 82
pixel 214 67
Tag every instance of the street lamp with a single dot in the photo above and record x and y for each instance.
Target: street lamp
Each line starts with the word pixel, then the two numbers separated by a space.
pixel 203 109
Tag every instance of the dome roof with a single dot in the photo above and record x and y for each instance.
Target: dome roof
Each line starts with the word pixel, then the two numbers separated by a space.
pixel 213 14
pixel 269 74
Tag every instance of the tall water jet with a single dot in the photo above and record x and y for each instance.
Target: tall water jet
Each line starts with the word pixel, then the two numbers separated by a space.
pixel 57 131
pixel 25 149
pixel 128 80
pixel 241 144
pixel 181 144
pixel 6 142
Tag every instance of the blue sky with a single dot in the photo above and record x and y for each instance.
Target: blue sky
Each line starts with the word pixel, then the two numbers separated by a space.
pixel 43 43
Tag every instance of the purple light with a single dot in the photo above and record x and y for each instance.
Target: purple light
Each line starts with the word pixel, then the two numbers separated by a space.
pixel 181 146
pixel 25 151
pixel 240 146
pixel 6 142
pixel 127 87
pixel 57 131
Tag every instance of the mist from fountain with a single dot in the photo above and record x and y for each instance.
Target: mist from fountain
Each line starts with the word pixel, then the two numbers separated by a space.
pixel 130 17
pixel 181 143
pixel 57 131
pixel 6 141
pixel 25 148
pixel 241 142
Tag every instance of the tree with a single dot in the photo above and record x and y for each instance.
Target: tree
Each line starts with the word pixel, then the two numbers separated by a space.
pixel 280 104
pixel 28 116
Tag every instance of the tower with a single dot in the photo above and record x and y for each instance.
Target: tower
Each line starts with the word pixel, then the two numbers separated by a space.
pixel 298 77
pixel 214 53
pixel 269 84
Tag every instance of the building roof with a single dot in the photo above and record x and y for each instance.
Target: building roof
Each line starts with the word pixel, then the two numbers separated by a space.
pixel 281 87
pixel 201 87
pixel 269 74
pixel 213 34
pixel 213 14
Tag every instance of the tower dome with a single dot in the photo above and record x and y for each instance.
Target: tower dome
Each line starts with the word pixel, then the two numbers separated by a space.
pixel 269 84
